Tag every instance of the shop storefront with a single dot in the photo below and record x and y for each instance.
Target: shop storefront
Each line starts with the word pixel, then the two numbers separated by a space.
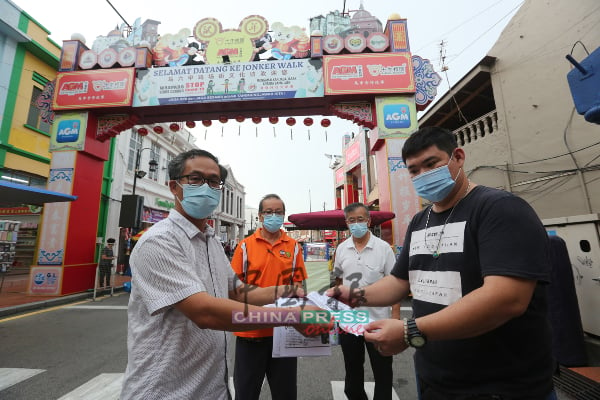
pixel 23 221
pixel 28 218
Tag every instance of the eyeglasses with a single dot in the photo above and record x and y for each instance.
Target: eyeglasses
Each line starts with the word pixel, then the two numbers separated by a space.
pixel 270 213
pixel 355 220
pixel 199 180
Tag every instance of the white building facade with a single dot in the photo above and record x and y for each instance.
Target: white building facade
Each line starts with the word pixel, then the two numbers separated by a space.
pixel 155 151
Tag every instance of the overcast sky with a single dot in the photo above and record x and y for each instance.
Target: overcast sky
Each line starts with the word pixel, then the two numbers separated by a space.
pixel 290 164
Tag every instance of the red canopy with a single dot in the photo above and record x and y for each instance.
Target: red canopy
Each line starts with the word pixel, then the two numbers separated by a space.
pixel 333 219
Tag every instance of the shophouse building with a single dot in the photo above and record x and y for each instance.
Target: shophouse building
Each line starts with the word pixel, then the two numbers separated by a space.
pixel 29 62
pixel 514 115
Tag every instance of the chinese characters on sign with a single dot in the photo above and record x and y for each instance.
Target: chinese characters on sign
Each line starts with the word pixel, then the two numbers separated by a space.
pixel 229 82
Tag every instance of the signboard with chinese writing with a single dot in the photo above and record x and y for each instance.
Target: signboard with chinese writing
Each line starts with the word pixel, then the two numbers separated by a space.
pixel 340 174
pixel 398 35
pixel 93 89
pixel 352 155
pixel 44 280
pixel 68 132
pixel 263 80
pixel 373 73
pixel 22 210
pixel 396 116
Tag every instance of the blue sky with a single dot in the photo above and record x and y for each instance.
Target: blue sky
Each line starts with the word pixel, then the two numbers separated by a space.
pixel 274 162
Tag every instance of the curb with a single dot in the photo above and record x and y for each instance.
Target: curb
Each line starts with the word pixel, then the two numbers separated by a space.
pixel 38 305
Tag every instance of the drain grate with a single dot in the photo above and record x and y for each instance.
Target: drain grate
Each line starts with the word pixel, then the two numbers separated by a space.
pixel 576 385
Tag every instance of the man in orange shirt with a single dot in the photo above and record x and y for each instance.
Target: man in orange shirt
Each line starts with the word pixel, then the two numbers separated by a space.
pixel 269 257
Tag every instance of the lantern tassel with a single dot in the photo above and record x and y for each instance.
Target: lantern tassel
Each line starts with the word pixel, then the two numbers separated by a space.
pixel 205 132
pixel 274 134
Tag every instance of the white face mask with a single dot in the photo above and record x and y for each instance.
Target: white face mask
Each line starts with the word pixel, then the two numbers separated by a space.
pixel 199 201
pixel 435 185
pixel 358 229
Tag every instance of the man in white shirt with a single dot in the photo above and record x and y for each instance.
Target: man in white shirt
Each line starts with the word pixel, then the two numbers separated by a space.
pixel 362 260
pixel 184 294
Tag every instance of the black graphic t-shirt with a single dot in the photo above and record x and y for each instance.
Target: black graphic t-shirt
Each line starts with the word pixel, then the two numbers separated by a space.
pixel 490 232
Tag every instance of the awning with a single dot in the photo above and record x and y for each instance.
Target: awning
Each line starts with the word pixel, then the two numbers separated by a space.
pixel 14 194
pixel 334 219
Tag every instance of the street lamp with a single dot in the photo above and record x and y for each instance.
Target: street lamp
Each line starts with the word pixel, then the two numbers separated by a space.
pixel 137 173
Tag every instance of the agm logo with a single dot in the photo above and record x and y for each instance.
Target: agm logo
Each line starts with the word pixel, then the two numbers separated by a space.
pixel 68 131
pixel 396 116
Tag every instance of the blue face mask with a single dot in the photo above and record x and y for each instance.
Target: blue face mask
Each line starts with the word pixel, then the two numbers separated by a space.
pixel 199 201
pixel 434 185
pixel 358 229
pixel 273 222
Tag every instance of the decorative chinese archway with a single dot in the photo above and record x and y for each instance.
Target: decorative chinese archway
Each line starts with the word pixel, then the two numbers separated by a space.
pixel 371 79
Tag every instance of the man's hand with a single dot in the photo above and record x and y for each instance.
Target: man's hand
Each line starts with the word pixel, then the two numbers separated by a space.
pixel 324 322
pixel 354 297
pixel 290 291
pixel 387 335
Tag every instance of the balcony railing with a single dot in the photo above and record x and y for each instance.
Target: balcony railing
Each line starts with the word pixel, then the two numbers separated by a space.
pixel 478 129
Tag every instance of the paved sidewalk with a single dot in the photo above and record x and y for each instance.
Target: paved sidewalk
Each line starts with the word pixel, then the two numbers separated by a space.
pixel 14 298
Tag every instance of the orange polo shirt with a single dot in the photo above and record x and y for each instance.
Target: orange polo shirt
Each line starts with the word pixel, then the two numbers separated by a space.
pixel 268 265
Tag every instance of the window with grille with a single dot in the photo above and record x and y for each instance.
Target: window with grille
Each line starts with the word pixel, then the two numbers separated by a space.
pixel 135 143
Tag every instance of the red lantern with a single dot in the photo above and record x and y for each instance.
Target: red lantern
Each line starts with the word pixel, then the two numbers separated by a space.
pixel 308 121
pixel 158 129
pixel 190 124
pixel 174 127
pixel 273 120
pixel 206 122
pixel 325 122
pixel 142 131
pixel 240 118
pixel 223 119
pixel 256 120
pixel 291 121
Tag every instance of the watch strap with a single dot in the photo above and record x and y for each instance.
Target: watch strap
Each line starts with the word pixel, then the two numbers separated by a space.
pixel 412 335
pixel 405 320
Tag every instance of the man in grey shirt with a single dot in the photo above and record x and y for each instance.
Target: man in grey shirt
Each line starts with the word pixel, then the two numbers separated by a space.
pixel 184 294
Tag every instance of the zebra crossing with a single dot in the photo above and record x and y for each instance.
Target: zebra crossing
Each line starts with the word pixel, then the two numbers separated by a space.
pixel 108 386
pixel 12 376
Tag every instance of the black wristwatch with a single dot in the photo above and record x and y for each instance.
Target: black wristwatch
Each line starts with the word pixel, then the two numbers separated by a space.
pixel 412 335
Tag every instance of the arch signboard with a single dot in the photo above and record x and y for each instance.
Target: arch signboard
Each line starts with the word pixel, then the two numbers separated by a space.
pixel 260 71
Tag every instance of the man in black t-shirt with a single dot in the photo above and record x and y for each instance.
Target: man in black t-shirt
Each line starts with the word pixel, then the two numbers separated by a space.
pixel 476 263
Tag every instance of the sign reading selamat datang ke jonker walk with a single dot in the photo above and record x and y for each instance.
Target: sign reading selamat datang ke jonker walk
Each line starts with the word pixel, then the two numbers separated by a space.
pixel 299 78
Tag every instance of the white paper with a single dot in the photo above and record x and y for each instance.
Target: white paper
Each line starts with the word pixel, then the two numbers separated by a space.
pixel 330 304
pixel 327 303
pixel 288 342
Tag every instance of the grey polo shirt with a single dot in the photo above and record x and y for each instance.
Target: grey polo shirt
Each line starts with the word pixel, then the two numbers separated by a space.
pixel 356 269
pixel 170 357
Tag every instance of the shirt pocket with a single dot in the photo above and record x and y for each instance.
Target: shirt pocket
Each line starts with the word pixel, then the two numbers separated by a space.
pixel 373 273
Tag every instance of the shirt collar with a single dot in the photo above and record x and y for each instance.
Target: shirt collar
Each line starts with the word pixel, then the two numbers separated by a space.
pixel 190 229
pixel 369 243
pixel 283 238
